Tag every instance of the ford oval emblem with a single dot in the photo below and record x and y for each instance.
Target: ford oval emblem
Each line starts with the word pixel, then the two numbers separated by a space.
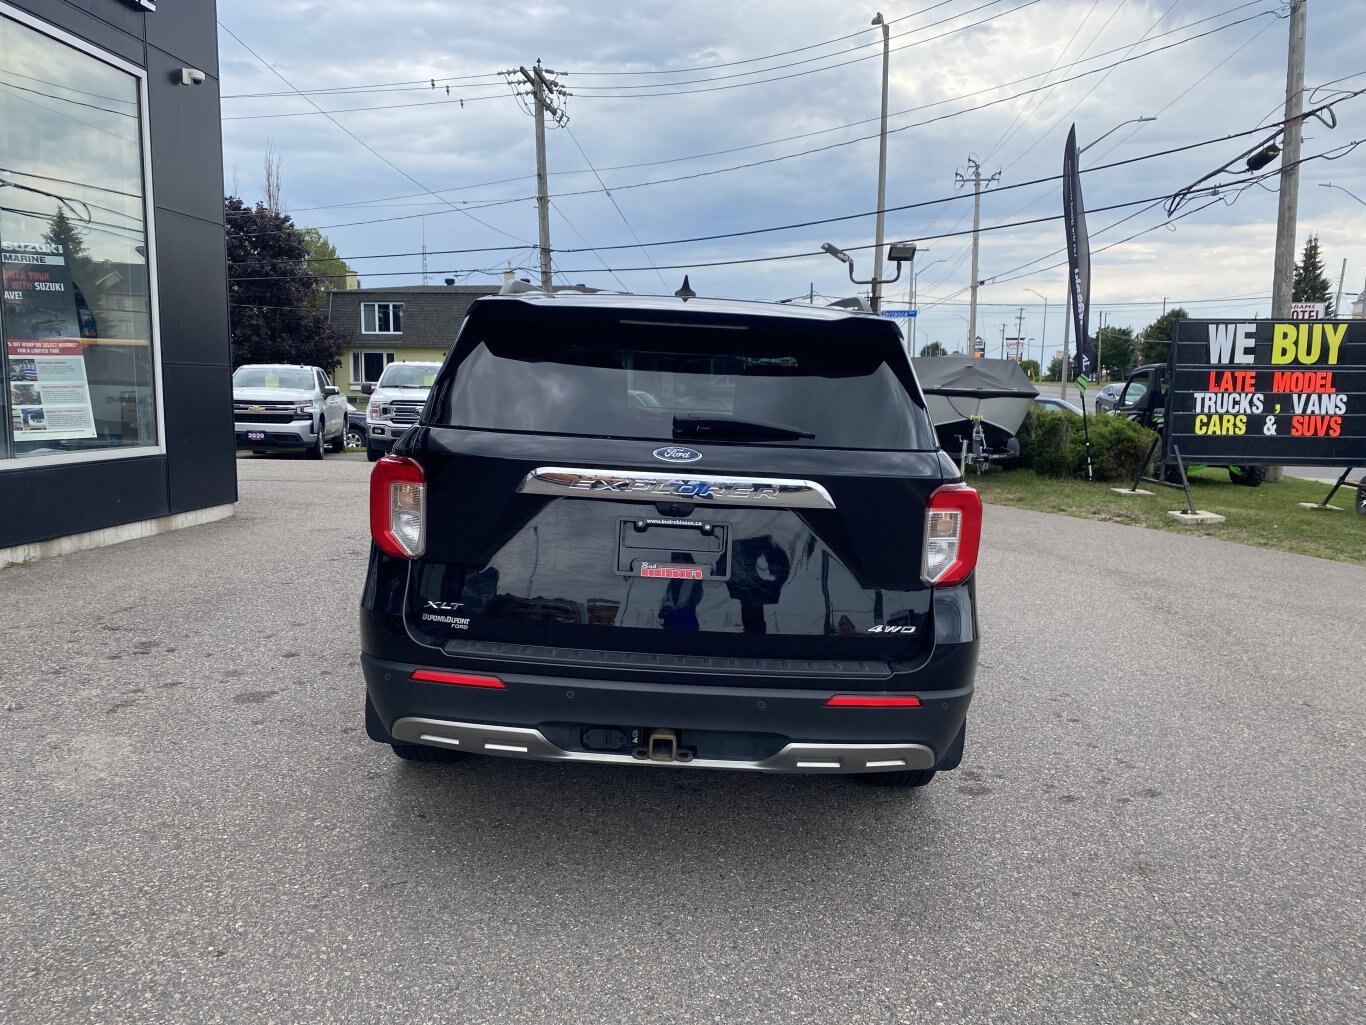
pixel 674 454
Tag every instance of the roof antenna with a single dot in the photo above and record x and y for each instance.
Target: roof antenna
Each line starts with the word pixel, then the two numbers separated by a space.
pixel 685 293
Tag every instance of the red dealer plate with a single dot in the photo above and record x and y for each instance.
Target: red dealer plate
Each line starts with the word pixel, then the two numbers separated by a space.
pixel 672 571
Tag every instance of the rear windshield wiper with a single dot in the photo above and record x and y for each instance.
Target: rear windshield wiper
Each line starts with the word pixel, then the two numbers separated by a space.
pixel 721 426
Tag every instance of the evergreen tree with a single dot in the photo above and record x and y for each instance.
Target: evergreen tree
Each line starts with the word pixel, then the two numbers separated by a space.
pixel 63 232
pixel 1311 284
pixel 273 292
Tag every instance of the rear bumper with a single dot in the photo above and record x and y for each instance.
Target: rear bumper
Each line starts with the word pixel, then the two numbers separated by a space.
pixel 763 728
pixel 517 742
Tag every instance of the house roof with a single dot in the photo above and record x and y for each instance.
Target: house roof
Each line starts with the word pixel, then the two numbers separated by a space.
pixel 432 314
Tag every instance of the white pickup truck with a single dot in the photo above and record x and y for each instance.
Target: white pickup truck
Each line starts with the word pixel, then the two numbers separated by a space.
pixel 276 406
pixel 396 402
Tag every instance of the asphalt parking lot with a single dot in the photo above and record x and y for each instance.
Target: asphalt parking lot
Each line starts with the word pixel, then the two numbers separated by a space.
pixel 1160 817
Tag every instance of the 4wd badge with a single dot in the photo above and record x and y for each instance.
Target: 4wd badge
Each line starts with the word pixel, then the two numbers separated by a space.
pixel 675 454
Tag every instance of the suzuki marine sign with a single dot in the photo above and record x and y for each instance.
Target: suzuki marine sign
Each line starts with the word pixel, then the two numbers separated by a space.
pixel 1269 391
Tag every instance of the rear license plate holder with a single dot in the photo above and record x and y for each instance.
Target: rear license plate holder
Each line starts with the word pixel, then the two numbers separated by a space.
pixel 673 549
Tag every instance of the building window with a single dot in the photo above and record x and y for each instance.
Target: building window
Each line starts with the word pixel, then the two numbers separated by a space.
pixel 381 318
pixel 77 318
pixel 367 366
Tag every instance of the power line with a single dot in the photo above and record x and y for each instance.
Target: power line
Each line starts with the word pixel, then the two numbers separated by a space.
pixel 848 217
pixel 820 149
pixel 362 142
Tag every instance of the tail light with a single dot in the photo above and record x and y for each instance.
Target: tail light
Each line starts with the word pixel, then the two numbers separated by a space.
pixel 953 533
pixel 398 507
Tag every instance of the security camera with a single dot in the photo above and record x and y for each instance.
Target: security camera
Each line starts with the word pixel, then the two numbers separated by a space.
pixel 191 76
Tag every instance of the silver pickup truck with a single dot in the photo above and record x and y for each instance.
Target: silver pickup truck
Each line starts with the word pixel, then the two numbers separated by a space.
pixel 277 406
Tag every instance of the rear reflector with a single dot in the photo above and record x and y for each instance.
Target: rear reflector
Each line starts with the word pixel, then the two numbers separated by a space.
pixel 873 701
pixel 458 679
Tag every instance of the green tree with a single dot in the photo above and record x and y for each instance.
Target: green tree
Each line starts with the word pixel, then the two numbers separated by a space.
pixel 1031 368
pixel 324 261
pixel 1055 368
pixel 61 231
pixel 1115 351
pixel 934 349
pixel 273 292
pixel 1154 343
pixel 1311 284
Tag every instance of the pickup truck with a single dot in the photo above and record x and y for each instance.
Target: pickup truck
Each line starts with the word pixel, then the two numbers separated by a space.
pixel 395 404
pixel 284 406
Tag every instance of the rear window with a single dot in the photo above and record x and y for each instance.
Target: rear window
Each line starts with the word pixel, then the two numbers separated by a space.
pixel 637 375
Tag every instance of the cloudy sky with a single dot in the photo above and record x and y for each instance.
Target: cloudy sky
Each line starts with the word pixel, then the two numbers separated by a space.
pixel 755 118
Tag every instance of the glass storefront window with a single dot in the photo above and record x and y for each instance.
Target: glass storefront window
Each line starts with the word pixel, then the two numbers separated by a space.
pixel 77 314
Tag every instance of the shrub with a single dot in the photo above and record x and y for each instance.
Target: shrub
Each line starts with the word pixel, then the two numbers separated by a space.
pixel 1046 442
pixel 1053 444
pixel 1117 446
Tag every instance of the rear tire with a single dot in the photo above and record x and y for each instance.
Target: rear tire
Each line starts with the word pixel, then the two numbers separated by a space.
pixel 1361 500
pixel 911 778
pixel 338 444
pixel 374 729
pixel 423 753
pixel 906 780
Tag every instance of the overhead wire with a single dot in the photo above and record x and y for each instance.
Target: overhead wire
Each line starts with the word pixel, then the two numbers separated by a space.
pixel 827 131
pixel 365 144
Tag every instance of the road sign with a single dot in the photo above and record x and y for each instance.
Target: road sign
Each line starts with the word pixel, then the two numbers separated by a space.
pixel 898 313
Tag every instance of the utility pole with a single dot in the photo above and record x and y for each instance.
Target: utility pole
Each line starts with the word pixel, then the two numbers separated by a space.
pixel 543 90
pixel 1003 341
pixel 1342 278
pixel 975 176
pixel 1019 333
pixel 1283 277
pixel 876 296
pixel 1066 338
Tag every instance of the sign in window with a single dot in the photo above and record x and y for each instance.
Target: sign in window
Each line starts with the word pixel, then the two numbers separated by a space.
pixel 77 318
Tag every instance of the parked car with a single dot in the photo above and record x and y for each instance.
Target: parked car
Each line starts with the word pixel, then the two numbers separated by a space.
pixel 704 534
pixel 1052 405
pixel 283 406
pixel 395 403
pixel 355 425
pixel 1107 398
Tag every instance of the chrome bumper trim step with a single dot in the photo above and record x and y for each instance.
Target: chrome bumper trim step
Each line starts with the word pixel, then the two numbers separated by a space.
pixel 521 742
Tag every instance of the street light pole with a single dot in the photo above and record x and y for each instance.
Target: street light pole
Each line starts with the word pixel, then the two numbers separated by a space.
pixel 915 297
pixel 1043 340
pixel 876 294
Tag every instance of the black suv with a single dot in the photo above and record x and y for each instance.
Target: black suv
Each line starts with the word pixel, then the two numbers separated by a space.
pixel 653 532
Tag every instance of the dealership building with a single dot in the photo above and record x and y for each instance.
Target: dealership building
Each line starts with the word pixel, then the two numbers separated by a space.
pixel 117 411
